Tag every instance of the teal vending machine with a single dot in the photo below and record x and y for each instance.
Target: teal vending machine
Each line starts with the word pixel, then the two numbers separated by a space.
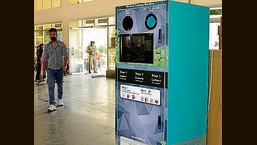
pixel 161 74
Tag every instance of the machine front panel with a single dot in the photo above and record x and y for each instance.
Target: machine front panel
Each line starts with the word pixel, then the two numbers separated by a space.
pixel 141 73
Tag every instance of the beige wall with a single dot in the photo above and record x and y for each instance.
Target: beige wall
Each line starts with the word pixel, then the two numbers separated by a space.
pixel 94 9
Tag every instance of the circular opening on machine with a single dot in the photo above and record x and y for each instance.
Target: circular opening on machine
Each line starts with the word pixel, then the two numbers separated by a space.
pixel 150 21
pixel 127 23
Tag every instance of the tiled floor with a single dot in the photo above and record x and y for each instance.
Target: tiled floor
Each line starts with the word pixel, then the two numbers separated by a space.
pixel 87 117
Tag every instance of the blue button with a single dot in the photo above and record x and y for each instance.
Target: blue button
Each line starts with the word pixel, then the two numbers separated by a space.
pixel 151 21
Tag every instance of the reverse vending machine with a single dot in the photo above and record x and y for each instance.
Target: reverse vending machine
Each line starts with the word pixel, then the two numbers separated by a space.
pixel 161 74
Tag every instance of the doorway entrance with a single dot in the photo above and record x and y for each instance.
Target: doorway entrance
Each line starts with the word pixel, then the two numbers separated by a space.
pixel 99 36
pixel 79 40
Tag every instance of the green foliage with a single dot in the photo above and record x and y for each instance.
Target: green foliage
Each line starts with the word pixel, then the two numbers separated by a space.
pixel 159 57
pixel 102 49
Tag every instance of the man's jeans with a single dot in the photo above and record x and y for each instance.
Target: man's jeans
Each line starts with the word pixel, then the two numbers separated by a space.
pixel 53 75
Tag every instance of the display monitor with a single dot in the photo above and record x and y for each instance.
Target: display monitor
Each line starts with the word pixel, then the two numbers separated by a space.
pixel 137 48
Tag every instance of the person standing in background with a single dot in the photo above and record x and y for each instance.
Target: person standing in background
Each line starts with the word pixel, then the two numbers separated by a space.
pixel 91 52
pixel 42 73
pixel 55 59
pixel 39 54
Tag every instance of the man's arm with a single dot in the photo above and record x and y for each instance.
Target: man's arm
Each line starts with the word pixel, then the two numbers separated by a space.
pixel 44 66
pixel 65 60
pixel 65 57
pixel 88 49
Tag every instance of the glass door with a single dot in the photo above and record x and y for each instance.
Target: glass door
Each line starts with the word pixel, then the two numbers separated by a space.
pixel 76 51
pixel 99 36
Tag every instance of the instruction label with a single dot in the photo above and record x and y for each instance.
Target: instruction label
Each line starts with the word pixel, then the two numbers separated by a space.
pixel 146 95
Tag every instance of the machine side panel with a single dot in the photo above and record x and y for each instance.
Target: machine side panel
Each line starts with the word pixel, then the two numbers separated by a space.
pixel 188 37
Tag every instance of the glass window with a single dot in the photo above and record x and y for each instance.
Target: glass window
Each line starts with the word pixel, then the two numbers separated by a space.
pixel 89 22
pixel 59 35
pixel 215 15
pixel 47 4
pixel 39 37
pixel 39 27
pixel 46 37
pixel 102 21
pixel 39 5
pixel 73 1
pixel 46 33
pixel 47 27
pixel 57 25
pixel 35 5
pixel 213 36
pixel 38 34
pixel 56 3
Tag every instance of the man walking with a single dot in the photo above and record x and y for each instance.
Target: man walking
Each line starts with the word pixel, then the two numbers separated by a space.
pixel 55 58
